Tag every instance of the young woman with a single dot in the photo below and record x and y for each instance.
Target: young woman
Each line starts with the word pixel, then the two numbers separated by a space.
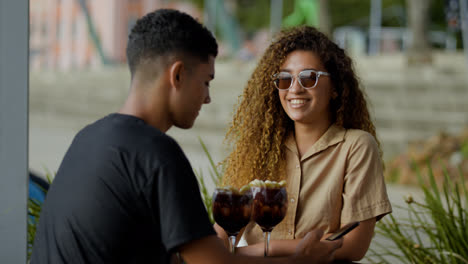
pixel 304 118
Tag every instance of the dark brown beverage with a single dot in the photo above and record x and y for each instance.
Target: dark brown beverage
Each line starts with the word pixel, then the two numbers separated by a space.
pixel 232 210
pixel 269 206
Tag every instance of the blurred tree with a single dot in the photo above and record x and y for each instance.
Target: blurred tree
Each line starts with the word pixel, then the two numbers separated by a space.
pixel 305 12
pixel 198 3
pixel 255 15
pixel 310 12
pixel 357 12
pixel 419 50
pixel 351 12
pixel 443 16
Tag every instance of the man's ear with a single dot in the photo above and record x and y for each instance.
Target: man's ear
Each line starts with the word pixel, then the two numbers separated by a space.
pixel 175 73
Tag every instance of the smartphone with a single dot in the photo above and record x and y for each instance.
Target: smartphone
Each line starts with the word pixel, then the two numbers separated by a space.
pixel 343 231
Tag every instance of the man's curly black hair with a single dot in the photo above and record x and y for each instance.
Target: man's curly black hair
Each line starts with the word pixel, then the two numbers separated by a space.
pixel 167 32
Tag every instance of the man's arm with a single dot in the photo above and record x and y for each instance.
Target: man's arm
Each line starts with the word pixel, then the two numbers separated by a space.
pixel 210 250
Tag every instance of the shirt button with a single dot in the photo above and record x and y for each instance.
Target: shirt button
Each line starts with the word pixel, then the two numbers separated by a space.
pixel 289 232
pixel 297 166
pixel 292 200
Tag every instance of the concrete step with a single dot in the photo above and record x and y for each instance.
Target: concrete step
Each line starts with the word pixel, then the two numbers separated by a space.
pixel 406 103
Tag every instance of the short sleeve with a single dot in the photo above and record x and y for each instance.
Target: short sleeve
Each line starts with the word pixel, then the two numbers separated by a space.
pixel 183 217
pixel 364 192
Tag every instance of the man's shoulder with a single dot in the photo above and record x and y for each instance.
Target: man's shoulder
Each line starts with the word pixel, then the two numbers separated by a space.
pixel 155 146
pixel 128 134
pixel 164 145
pixel 127 128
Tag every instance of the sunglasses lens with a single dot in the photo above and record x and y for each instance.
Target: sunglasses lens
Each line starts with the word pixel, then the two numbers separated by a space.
pixel 283 81
pixel 308 78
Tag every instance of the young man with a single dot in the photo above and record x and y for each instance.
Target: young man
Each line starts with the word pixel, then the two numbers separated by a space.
pixel 125 192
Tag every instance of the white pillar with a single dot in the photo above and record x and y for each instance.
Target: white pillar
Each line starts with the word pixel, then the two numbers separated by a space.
pixel 464 27
pixel 375 26
pixel 65 34
pixel 14 48
pixel 276 15
pixel 82 40
pixel 209 15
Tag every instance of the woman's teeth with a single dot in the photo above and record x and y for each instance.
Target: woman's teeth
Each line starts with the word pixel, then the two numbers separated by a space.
pixel 297 101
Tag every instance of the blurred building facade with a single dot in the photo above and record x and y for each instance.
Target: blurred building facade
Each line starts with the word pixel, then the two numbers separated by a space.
pixel 76 34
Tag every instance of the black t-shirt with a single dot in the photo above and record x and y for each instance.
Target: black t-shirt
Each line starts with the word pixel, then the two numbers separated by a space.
pixel 124 193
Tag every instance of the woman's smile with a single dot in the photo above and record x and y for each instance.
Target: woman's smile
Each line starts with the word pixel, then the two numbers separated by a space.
pixel 298 103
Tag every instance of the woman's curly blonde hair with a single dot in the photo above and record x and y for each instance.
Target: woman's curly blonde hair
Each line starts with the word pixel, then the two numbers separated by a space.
pixel 260 125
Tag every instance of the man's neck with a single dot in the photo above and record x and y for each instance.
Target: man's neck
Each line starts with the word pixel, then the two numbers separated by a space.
pixel 151 109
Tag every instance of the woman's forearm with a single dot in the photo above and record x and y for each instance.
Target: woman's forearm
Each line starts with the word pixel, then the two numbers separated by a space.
pixel 277 248
pixel 356 243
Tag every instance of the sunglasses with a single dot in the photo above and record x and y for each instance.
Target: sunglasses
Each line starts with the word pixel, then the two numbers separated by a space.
pixel 308 79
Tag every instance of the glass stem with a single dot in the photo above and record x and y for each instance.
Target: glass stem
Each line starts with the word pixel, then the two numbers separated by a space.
pixel 232 243
pixel 266 237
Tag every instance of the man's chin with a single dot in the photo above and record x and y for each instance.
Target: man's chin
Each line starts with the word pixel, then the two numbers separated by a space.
pixel 185 125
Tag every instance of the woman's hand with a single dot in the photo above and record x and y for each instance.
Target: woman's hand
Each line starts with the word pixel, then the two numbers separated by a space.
pixel 321 251
pixel 356 243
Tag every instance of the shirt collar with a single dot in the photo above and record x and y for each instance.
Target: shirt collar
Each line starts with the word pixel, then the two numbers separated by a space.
pixel 334 135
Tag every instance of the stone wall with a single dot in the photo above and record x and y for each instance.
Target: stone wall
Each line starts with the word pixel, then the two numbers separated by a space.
pixel 411 104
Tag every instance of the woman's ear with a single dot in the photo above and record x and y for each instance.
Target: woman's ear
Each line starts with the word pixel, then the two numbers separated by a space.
pixel 175 73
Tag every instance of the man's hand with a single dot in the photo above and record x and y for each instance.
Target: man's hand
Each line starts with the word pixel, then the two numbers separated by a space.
pixel 317 251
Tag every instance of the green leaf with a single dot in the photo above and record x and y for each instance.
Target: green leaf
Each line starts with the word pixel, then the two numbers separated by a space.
pixel 435 230
pixel 214 169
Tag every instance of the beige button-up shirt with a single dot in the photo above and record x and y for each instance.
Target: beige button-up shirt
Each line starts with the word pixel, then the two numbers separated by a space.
pixel 338 180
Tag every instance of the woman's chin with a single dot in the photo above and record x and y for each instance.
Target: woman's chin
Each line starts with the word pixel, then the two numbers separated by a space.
pixel 297 117
pixel 298 120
